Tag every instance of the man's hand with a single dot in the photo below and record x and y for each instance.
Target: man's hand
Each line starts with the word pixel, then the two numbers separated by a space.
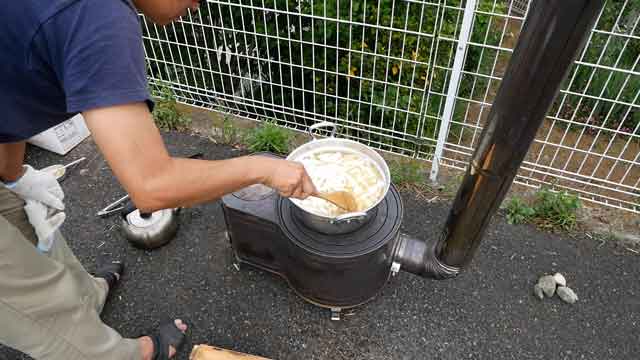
pixel 44 221
pixel 39 186
pixel 288 177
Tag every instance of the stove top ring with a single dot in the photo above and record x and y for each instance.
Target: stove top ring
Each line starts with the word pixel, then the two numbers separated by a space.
pixel 384 224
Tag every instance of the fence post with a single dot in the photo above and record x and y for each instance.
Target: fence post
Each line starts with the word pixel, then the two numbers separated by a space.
pixel 454 83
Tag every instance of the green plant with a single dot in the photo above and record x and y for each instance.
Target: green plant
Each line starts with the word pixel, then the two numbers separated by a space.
pixel 405 172
pixel 556 209
pixel 615 51
pixel 451 185
pixel 269 137
pixel 228 134
pixel 551 210
pixel 518 212
pixel 166 113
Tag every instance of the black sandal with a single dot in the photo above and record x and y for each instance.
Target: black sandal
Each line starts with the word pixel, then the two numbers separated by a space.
pixel 167 335
pixel 111 271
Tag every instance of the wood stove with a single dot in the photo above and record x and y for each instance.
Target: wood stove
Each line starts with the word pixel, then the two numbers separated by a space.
pixel 346 270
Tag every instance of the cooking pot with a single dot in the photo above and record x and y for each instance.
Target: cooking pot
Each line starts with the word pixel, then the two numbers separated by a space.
pixel 346 222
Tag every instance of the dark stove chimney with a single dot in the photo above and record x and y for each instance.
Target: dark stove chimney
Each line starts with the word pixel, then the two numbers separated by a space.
pixel 554 32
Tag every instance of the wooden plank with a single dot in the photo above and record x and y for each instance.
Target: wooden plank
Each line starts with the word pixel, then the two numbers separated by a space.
pixel 206 352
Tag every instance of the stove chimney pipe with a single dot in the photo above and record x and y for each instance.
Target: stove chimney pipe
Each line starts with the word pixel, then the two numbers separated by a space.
pixel 554 32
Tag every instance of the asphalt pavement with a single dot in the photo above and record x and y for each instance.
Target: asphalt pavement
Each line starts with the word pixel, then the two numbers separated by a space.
pixel 488 312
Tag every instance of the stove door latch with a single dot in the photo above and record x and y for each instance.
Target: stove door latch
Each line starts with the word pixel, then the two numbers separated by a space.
pixel 395 268
pixel 335 313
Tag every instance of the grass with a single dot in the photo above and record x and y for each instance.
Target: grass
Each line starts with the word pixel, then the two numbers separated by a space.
pixel 556 209
pixel 518 212
pixel 550 210
pixel 269 137
pixel 166 113
pixel 413 175
pixel 603 237
pixel 228 134
pixel 407 172
pixel 451 186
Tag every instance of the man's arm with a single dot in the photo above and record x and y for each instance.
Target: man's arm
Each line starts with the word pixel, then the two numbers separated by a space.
pixel 131 144
pixel 11 158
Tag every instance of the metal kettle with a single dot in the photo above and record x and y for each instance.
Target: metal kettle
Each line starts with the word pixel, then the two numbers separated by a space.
pixel 149 230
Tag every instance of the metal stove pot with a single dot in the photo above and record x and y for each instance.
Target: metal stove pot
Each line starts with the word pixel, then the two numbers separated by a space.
pixel 349 222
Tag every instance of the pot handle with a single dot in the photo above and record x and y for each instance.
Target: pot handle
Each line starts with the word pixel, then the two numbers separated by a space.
pixel 349 217
pixel 322 125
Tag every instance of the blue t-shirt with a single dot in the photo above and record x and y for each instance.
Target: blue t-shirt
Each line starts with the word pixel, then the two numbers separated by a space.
pixel 62 57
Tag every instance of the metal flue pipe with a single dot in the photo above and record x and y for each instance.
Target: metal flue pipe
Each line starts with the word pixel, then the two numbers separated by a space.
pixel 554 32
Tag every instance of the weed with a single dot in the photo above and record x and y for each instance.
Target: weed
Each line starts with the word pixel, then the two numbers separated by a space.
pixel 550 210
pixel 269 137
pixel 518 212
pixel 604 236
pixel 556 209
pixel 405 172
pixel 228 134
pixel 452 185
pixel 166 113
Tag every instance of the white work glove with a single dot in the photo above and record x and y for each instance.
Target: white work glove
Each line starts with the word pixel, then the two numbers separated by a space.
pixel 45 222
pixel 39 186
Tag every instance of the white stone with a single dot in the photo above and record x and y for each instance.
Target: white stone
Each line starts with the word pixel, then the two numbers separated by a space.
pixel 537 291
pixel 560 280
pixel 567 295
pixel 548 285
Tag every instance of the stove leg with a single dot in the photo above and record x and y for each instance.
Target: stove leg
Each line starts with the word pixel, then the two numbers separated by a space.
pixel 335 313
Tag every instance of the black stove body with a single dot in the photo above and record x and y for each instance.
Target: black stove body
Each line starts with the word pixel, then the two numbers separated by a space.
pixel 333 271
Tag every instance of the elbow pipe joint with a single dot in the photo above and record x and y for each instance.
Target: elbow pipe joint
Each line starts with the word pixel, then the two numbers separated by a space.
pixel 421 258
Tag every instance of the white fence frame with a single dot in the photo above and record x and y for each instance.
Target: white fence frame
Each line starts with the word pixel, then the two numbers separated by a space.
pixel 599 160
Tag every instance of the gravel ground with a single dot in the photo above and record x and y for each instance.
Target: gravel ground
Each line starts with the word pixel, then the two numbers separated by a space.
pixel 488 312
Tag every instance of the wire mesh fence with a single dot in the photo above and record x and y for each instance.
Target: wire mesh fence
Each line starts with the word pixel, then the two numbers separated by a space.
pixel 518 7
pixel 413 77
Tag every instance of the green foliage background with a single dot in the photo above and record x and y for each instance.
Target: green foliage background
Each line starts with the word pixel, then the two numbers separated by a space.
pixel 619 50
pixel 381 63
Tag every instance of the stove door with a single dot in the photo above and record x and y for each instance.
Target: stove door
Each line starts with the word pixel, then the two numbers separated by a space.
pixel 255 240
